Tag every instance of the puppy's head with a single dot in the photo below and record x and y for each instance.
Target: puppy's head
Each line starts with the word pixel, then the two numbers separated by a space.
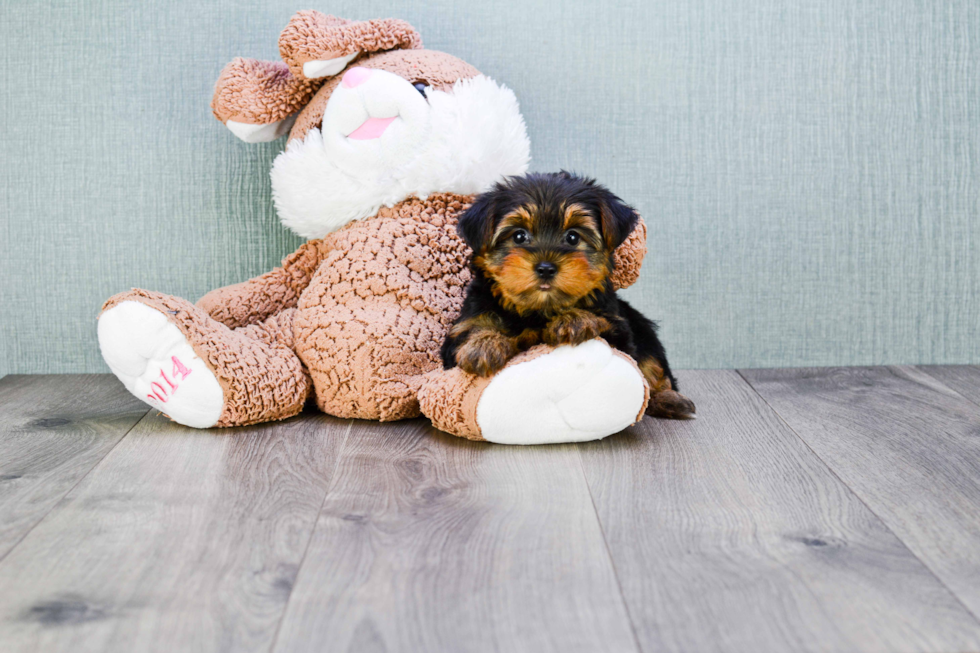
pixel 546 241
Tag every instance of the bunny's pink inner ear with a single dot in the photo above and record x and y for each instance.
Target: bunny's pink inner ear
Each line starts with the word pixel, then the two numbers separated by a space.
pixel 316 45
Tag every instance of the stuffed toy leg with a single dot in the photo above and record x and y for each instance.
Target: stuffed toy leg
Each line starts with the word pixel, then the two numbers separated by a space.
pixel 201 373
pixel 544 395
pixel 177 358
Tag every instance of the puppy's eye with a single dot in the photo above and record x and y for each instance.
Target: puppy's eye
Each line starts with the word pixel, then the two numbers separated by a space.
pixel 572 238
pixel 420 87
pixel 520 237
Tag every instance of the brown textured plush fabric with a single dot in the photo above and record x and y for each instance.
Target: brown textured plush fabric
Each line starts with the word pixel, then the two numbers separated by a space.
pixel 262 92
pixel 256 299
pixel 261 377
pixel 375 314
pixel 274 331
pixel 628 257
pixel 437 69
pixel 259 92
pixel 449 399
pixel 312 36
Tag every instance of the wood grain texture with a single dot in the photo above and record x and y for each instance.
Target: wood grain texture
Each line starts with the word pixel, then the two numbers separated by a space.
pixel 432 543
pixel 180 540
pixel 906 444
pixel 964 379
pixel 729 534
pixel 53 430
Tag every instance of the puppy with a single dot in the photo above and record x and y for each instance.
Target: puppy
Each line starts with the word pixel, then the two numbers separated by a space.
pixel 542 257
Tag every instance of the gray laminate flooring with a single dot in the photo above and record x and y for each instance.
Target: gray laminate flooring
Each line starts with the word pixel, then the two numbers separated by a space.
pixel 824 509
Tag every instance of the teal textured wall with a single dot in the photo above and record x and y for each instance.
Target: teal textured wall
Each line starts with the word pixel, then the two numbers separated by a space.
pixel 809 170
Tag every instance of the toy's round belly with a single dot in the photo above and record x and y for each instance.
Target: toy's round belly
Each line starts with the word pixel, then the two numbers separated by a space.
pixel 365 358
pixel 366 342
pixel 374 316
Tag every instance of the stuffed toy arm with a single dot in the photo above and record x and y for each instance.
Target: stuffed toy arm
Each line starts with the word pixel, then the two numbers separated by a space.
pixel 252 301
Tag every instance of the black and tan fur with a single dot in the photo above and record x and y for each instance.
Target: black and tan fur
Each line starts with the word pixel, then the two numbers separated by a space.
pixel 543 249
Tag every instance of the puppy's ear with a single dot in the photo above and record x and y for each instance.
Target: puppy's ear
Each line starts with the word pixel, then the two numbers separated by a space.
pixel 618 218
pixel 476 224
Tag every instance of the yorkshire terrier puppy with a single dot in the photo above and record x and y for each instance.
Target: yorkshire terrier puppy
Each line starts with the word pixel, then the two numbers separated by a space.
pixel 542 257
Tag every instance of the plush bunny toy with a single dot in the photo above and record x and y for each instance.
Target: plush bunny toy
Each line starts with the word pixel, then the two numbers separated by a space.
pixel 388 145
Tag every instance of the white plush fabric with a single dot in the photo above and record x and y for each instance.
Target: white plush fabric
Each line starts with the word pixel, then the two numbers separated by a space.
pixel 572 394
pixel 460 141
pixel 139 343
pixel 261 133
pixel 326 67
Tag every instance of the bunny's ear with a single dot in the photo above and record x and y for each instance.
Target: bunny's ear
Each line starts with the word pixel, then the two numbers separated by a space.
pixel 258 100
pixel 316 45
pixel 628 257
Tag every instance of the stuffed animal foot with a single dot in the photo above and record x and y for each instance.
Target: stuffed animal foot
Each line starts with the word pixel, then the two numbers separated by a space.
pixel 154 360
pixel 544 395
pixel 175 357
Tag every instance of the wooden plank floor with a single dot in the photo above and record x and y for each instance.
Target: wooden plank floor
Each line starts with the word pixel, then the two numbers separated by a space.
pixel 804 510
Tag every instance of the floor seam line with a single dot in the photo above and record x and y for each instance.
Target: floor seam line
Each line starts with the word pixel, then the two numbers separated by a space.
pixel 609 556
pixel 309 540
pixel 857 496
pixel 935 378
pixel 74 485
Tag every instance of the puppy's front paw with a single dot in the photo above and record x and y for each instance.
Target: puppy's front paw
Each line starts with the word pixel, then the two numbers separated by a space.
pixel 671 404
pixel 574 327
pixel 485 352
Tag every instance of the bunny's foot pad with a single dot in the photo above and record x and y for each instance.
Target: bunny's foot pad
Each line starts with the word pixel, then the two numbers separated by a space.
pixel 154 360
pixel 569 394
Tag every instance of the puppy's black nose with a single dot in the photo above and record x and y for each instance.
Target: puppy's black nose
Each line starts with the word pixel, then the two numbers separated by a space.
pixel 546 270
